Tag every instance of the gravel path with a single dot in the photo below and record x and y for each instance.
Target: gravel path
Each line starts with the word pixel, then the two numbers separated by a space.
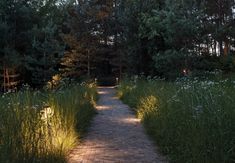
pixel 115 135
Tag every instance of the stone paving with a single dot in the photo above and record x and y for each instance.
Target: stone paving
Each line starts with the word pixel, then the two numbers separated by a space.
pixel 115 135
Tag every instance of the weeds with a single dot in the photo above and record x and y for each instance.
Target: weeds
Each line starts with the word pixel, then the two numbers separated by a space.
pixel 40 126
pixel 191 120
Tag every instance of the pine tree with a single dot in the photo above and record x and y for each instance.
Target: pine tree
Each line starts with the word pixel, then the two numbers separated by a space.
pixel 45 54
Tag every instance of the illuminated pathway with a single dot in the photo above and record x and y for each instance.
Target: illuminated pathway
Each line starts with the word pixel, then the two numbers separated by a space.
pixel 115 135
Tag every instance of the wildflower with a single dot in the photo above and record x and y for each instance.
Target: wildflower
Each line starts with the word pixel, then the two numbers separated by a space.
pixel 197 110
pixel 135 78
pixel 186 87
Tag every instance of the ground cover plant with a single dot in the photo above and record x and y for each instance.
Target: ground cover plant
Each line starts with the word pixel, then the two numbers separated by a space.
pixel 42 126
pixel 191 120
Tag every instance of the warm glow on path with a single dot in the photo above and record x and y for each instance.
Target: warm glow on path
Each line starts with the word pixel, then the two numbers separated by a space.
pixel 116 135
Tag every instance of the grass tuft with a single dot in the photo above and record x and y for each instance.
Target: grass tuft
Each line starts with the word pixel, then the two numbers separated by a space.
pixel 40 126
pixel 190 120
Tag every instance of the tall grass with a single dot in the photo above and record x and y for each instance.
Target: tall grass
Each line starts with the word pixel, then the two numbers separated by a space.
pixel 190 120
pixel 43 126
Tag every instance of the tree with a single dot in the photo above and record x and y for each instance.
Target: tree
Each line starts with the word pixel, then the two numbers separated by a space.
pixel 13 41
pixel 23 24
pixel 92 37
pixel 45 55
pixel 181 31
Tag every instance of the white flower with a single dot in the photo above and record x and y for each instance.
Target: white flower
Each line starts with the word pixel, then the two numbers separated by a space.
pixel 197 110
pixel 186 87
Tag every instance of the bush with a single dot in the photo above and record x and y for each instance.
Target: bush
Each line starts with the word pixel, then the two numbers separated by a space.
pixel 170 63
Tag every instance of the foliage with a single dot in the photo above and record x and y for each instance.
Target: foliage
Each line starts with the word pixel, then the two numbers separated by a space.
pixel 39 126
pixel 112 37
pixel 46 52
pixel 29 37
pixel 171 63
pixel 92 39
pixel 190 120
pixel 196 28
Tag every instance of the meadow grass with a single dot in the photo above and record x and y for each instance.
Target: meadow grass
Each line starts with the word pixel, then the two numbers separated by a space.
pixel 38 126
pixel 190 120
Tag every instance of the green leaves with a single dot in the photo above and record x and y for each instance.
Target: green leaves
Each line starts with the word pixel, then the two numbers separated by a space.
pixel 170 63
pixel 29 39
pixel 46 52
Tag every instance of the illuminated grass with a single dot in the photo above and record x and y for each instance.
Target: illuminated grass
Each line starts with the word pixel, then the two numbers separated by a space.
pixel 42 127
pixel 190 120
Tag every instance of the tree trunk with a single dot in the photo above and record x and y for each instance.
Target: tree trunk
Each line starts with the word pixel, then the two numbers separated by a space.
pixel 215 47
pixel 4 78
pixel 8 78
pixel 226 47
pixel 221 48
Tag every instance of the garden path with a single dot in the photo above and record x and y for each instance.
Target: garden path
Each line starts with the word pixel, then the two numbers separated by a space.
pixel 115 135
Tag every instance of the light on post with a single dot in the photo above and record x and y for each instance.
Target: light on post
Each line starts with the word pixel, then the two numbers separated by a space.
pixel 117 81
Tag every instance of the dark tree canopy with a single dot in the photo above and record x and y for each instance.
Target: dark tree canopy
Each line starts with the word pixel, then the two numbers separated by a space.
pixel 41 38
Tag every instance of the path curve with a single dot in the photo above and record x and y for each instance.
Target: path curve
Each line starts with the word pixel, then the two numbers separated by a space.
pixel 115 135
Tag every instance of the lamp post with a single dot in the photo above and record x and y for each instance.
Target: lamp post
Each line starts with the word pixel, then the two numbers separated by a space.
pixel 117 81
